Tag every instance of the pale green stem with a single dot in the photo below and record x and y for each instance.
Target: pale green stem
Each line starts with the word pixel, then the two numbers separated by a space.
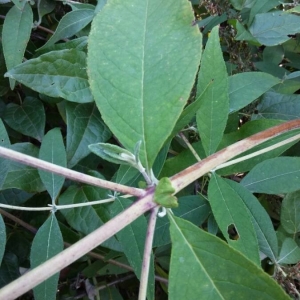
pixel 190 146
pixel 77 176
pixel 267 149
pixel 147 254
pixel 190 174
pixel 57 207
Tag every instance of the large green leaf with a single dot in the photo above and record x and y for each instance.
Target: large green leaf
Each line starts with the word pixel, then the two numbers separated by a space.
pixel 142 67
pixel 28 118
pixel 47 242
pixel 70 24
pixel 221 271
pixel 84 127
pixel 56 74
pixel 132 238
pixel 15 34
pixel 214 108
pixel 274 176
pixel 278 106
pixel 231 213
pixel 14 196
pixel 85 219
pixel 274 28
pixel 266 235
pixel 53 150
pixel 290 213
pixel 247 87
pixel 2 238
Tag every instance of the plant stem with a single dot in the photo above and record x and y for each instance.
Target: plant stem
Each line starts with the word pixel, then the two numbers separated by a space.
pixel 256 153
pixel 34 277
pixel 91 254
pixel 190 146
pixel 77 176
pixel 190 174
pixel 147 254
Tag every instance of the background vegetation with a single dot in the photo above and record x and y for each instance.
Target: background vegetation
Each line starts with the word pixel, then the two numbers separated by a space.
pixel 63 91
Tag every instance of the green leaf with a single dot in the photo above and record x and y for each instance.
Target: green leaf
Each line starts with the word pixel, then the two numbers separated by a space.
pixel 190 111
pixel 262 6
pixel 53 150
pixel 70 24
pixel 47 243
pixel 274 28
pixel 290 213
pixel 85 219
pixel 113 153
pixel 14 196
pixel 192 208
pixel 84 127
pixel 4 142
pixel 2 238
pixel 278 106
pixel 231 213
pixel 213 112
pixel 246 87
pixel 44 7
pixel 132 238
pixel 221 271
pixel 240 4
pixel 23 177
pixel 289 253
pixel 139 70
pixel 28 118
pixel 163 194
pixel 266 235
pixel 9 269
pixel 15 34
pixel 274 176
pixel 56 74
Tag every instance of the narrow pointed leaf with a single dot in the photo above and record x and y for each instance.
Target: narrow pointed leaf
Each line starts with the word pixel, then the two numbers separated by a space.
pixel 290 213
pixel 16 33
pixel 213 112
pixel 47 243
pixel 28 118
pixel 274 176
pixel 266 235
pixel 289 253
pixel 230 211
pixel 2 238
pixel 132 238
pixel 53 150
pixel 221 271
pixel 56 74
pixel 70 24
pixel 141 69
pixel 84 127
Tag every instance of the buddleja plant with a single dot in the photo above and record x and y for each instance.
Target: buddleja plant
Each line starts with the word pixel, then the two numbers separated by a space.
pixel 141 68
